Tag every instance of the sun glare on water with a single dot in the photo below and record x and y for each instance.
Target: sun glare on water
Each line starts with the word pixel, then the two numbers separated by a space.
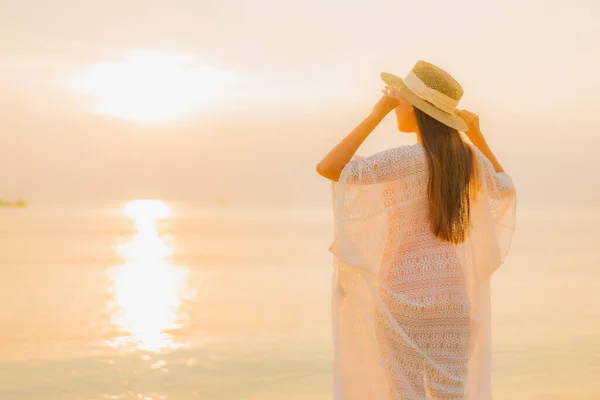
pixel 147 289
pixel 152 87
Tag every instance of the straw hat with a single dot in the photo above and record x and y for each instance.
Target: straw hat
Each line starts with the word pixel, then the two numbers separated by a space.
pixel 431 90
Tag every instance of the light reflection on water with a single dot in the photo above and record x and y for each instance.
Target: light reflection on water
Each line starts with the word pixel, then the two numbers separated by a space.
pixel 147 289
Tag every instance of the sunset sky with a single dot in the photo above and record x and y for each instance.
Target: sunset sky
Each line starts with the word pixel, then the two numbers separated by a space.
pixel 197 100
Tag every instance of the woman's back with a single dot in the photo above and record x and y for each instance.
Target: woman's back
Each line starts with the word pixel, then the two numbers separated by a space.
pixel 424 289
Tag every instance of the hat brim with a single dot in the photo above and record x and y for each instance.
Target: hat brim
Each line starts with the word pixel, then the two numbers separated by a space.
pixel 452 120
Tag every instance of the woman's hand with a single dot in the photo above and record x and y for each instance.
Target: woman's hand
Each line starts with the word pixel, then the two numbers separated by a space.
pixel 474 133
pixel 388 102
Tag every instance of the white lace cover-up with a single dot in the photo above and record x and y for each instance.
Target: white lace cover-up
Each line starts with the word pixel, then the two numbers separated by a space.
pixel 411 313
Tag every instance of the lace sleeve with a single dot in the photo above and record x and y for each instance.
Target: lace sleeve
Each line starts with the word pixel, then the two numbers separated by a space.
pixel 499 184
pixel 501 198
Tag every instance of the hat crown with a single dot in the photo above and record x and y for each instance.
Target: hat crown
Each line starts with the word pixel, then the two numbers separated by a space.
pixel 436 78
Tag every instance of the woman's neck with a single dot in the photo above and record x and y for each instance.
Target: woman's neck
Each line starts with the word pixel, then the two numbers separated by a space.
pixel 419 140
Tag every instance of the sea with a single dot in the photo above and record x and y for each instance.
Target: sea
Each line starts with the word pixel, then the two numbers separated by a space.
pixel 156 300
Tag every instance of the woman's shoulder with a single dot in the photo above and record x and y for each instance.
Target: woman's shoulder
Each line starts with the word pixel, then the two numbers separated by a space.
pixel 407 155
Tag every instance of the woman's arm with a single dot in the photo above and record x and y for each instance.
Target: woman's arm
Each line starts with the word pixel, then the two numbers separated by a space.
pixel 476 137
pixel 334 162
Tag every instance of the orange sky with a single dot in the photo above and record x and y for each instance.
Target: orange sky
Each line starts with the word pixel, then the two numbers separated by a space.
pixel 253 92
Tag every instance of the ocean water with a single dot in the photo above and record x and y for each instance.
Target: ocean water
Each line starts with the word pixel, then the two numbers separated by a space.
pixel 106 303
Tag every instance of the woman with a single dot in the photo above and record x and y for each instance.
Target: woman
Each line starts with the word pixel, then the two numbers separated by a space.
pixel 419 231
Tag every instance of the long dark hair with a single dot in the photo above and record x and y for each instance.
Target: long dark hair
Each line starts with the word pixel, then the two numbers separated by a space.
pixel 452 178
